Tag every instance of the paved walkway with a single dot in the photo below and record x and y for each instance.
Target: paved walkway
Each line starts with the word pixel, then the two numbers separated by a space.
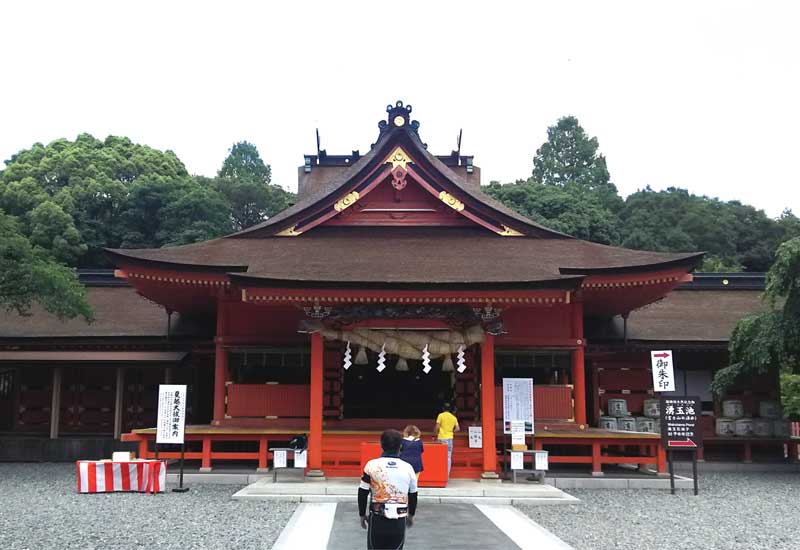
pixel 332 526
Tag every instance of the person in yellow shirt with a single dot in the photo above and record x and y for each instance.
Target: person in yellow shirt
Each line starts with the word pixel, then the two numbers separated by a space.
pixel 446 426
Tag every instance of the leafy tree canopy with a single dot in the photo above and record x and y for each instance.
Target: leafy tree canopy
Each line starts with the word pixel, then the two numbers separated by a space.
pixel 29 275
pixel 244 181
pixel 73 198
pixel 769 341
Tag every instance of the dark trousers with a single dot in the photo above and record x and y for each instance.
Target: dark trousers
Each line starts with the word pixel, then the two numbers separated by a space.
pixel 385 534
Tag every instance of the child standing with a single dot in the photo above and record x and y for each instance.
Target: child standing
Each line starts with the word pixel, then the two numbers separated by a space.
pixel 412 448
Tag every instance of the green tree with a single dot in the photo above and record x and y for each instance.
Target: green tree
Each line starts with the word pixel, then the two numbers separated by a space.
pixel 570 158
pixel 74 198
pixel 790 395
pixel 28 275
pixel 244 181
pixel 569 209
pixel 770 341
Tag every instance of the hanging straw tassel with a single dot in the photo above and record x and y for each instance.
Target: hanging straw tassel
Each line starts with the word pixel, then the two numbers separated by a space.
pixel 447 364
pixel 361 356
pixel 401 365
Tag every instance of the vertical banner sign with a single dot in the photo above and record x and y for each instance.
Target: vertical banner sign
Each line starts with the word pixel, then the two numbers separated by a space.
pixel 679 418
pixel 517 403
pixel 475 437
pixel 279 458
pixel 517 462
pixel 300 458
pixel 171 413
pixel 663 374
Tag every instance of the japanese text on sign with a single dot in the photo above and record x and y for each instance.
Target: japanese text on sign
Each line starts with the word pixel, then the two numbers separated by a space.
pixel 171 413
pixel 663 374
pixel 517 403
pixel 679 419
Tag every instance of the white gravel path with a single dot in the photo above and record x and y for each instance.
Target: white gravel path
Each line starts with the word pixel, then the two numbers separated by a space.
pixel 40 510
pixel 734 511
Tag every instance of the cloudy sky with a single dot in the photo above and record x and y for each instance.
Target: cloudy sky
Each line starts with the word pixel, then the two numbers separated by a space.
pixel 700 95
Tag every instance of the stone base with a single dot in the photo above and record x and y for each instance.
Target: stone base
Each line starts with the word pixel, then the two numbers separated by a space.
pixel 597 474
pixel 490 477
pixel 315 475
pixel 263 470
pixel 204 470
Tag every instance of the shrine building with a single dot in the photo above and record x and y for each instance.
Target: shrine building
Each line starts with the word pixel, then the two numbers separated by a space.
pixel 392 286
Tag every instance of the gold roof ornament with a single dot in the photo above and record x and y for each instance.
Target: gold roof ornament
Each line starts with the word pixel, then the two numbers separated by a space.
pixel 451 201
pixel 346 202
pixel 508 232
pixel 398 157
pixel 289 232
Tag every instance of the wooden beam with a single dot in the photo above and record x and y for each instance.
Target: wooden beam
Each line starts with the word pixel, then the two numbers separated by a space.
pixel 315 412
pixel 220 362
pixel 118 402
pixel 487 409
pixel 55 403
pixel 578 368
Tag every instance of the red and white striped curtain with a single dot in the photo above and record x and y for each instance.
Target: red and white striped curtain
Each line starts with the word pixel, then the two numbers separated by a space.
pixel 148 476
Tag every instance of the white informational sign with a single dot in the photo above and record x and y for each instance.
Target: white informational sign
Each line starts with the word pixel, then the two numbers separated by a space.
pixel 540 461
pixel 475 437
pixel 663 373
pixel 300 459
pixel 171 413
pixel 517 403
pixel 518 432
pixel 517 462
pixel 279 459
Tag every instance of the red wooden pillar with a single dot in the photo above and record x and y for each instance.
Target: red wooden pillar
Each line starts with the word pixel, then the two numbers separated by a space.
pixel 220 363
pixel 487 409
pixel 315 414
pixel 578 370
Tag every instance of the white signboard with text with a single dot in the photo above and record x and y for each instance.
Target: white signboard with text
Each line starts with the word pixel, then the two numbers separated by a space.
pixel 663 372
pixel 279 458
pixel 475 437
pixel 517 432
pixel 171 413
pixel 300 458
pixel 517 403
pixel 517 461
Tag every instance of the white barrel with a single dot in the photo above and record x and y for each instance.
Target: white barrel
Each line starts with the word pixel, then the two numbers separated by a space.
pixel 725 427
pixel 652 408
pixel 645 424
pixel 781 428
pixel 769 409
pixel 608 423
pixel 762 427
pixel 732 408
pixel 626 424
pixel 743 427
pixel 617 407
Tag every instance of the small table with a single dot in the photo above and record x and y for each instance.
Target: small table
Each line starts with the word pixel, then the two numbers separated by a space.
pixel 287 450
pixel 538 473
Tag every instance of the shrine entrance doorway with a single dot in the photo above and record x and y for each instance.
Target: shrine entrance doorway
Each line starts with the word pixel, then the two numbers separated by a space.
pixel 396 394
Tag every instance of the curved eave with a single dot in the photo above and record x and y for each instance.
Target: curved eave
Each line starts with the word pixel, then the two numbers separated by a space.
pixel 560 283
pixel 137 257
pixel 687 261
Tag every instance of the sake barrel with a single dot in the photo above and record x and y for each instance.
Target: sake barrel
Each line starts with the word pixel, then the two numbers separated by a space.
pixel 617 407
pixel 608 423
pixel 769 409
pixel 781 428
pixel 762 427
pixel 652 408
pixel 626 424
pixel 725 427
pixel 743 427
pixel 645 424
pixel 732 408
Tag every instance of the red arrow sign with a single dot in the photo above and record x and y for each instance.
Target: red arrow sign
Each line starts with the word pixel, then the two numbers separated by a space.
pixel 683 444
pixel 664 355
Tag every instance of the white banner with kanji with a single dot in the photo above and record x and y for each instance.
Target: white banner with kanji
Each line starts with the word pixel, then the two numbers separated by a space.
pixel 663 373
pixel 171 413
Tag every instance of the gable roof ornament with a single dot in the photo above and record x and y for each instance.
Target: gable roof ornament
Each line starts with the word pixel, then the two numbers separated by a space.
pixel 399 117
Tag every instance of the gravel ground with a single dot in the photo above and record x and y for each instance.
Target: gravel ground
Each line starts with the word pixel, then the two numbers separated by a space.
pixel 39 509
pixel 734 511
